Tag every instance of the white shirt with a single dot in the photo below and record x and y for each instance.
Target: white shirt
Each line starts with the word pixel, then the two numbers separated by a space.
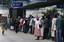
pixel 37 23
pixel 54 23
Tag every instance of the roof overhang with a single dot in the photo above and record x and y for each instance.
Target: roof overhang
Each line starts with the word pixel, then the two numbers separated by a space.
pixel 38 5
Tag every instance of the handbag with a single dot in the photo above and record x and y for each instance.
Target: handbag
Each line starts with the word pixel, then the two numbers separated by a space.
pixel 40 25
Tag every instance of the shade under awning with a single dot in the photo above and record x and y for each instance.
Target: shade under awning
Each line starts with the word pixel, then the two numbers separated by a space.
pixel 38 5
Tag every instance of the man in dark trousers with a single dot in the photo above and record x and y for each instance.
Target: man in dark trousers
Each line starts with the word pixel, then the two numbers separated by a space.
pixel 17 26
pixel 29 19
pixel 62 22
pixel 47 27
pixel 26 26
pixel 58 29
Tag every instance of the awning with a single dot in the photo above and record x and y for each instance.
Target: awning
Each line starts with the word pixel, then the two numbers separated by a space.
pixel 38 5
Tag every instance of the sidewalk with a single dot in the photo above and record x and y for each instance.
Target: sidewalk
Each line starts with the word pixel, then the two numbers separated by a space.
pixel 11 36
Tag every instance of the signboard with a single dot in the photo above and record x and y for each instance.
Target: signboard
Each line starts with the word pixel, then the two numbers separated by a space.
pixel 32 0
pixel 16 4
pixel 60 5
pixel 38 0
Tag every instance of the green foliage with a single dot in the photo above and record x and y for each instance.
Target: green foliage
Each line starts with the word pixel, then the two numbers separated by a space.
pixel 6 2
pixel 60 0
pixel 52 12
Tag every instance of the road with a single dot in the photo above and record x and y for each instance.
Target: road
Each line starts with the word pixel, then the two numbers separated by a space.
pixel 11 36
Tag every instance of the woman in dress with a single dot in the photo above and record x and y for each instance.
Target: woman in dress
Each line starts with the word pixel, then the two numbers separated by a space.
pixel 37 31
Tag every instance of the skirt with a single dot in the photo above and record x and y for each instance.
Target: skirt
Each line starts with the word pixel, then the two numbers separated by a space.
pixel 37 32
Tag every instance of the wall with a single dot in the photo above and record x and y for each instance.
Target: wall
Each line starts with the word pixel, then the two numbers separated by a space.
pixel 4 12
pixel 33 13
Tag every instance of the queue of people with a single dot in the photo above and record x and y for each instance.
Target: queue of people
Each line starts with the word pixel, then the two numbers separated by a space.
pixel 45 27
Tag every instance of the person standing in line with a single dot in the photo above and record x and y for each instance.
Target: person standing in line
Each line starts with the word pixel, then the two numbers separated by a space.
pixel 3 28
pixel 37 31
pixel 26 26
pixel 53 27
pixel 49 23
pixel 22 21
pixel 32 26
pixel 3 25
pixel 58 29
pixel 30 23
pixel 17 26
pixel 13 23
pixel 42 28
pixel 46 29
pixel 62 22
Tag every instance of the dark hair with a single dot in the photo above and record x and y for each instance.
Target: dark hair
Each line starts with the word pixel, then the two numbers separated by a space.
pixel 55 16
pixel 43 17
pixel 0 14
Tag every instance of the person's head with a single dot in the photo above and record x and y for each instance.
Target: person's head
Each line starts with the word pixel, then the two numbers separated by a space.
pixel 58 14
pixel 43 17
pixel 55 16
pixel 37 17
pixel 0 14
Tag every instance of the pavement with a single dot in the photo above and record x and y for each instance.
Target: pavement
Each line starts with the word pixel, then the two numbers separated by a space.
pixel 11 36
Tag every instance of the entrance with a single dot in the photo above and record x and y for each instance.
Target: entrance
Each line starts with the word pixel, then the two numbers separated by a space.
pixel 21 12
pixel 17 12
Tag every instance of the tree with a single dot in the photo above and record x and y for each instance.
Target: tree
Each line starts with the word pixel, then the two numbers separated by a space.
pixel 51 12
pixel 6 2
